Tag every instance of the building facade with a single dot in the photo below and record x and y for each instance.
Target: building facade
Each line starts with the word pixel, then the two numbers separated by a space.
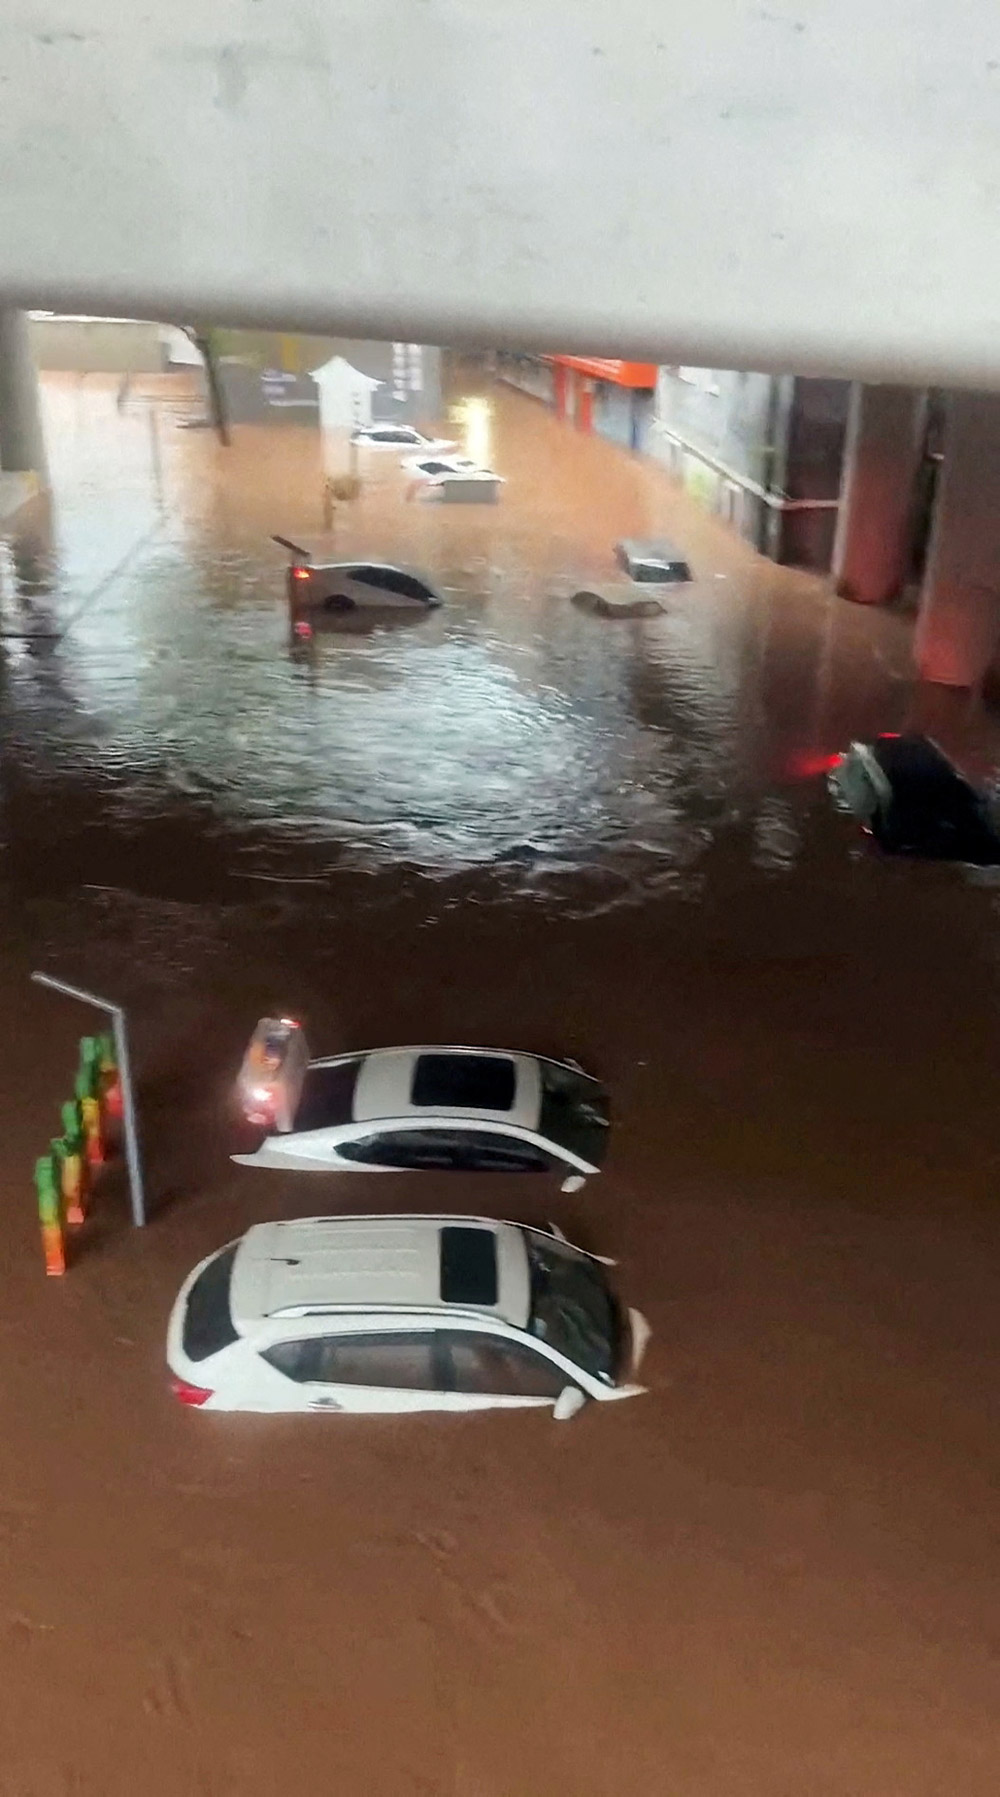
pixel 612 399
pixel 764 451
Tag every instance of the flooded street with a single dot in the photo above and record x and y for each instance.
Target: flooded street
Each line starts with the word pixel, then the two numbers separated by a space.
pixel 518 824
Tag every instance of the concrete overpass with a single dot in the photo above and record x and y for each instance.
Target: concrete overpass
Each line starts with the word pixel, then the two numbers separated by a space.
pixel 806 184
pixel 784 184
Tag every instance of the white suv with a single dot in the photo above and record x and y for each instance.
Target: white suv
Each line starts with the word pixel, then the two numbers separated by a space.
pixel 401 1313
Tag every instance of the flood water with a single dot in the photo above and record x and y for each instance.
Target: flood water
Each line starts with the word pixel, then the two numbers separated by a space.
pixel 513 823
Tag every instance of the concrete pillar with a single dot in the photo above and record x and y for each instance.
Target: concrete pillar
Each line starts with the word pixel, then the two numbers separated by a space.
pixel 22 441
pixel 882 453
pixel 959 623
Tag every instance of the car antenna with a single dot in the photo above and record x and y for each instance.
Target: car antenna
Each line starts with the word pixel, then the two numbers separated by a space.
pixel 296 549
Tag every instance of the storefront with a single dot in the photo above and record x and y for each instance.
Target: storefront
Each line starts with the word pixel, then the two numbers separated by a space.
pixel 613 399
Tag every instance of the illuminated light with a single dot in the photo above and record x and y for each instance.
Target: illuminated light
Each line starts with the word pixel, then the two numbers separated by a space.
pixel 300 573
pixel 808 766
pixel 888 736
pixel 260 1094
pixel 187 1393
pixel 477 416
pixel 303 627
pixel 290 1023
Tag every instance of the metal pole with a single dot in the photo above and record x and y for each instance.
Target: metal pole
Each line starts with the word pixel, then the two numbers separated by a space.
pixel 133 1162
pixel 156 460
pixel 130 1128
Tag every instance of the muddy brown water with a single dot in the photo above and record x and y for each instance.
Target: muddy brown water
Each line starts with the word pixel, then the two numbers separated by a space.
pixel 517 824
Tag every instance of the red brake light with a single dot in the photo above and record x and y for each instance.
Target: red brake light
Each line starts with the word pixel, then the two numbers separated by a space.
pixel 300 573
pixel 189 1394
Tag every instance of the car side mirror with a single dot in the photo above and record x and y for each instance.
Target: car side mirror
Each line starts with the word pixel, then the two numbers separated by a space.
pixel 574 1182
pixel 570 1400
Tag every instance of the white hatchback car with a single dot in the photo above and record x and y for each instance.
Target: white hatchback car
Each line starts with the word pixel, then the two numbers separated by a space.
pixel 465 1110
pixel 401 1313
pixel 400 437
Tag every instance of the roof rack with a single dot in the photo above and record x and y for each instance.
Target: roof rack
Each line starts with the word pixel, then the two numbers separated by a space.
pixel 380 1309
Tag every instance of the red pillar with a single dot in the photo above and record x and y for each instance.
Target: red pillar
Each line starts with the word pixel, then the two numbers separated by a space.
pixel 585 406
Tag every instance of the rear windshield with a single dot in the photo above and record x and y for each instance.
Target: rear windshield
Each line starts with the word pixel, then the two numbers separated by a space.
pixel 327 1095
pixel 575 1112
pixel 208 1323
pixel 659 572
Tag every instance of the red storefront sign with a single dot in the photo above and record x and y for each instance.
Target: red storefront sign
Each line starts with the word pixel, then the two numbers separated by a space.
pixel 621 374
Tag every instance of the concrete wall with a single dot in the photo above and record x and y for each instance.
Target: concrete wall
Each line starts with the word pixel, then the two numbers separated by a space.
pixel 741 443
pixel 97 345
pixel 720 432
pixel 814 459
pixel 726 414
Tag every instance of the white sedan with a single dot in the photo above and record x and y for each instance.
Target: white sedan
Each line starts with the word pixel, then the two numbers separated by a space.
pixel 358 586
pixel 402 1313
pixel 427 1108
pixel 399 437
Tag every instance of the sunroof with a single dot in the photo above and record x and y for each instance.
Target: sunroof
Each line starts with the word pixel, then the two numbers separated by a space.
pixel 468 1265
pixel 474 1082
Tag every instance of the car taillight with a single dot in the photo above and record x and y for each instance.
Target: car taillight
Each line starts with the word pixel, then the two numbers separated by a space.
pixel 300 573
pixel 186 1393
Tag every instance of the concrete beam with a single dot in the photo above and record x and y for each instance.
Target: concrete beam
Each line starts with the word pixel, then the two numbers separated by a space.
pixel 885 440
pixel 22 440
pixel 806 185
pixel 959 624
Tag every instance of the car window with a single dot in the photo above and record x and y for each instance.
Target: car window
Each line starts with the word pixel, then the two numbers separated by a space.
pixel 417 1148
pixel 399 1361
pixel 291 1358
pixel 453 1150
pixel 489 1366
pixel 372 577
pixel 486 1151
pixel 208 1323
pixel 411 588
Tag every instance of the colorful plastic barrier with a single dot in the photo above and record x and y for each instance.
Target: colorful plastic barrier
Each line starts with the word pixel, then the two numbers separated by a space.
pixel 64 1177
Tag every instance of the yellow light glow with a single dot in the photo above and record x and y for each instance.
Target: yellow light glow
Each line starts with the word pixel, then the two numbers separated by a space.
pixel 477 417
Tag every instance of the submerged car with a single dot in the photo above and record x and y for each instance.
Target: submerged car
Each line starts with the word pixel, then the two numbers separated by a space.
pixel 357 586
pixel 656 563
pixel 430 465
pixel 913 801
pixel 399 437
pixel 401 1313
pixel 427 1108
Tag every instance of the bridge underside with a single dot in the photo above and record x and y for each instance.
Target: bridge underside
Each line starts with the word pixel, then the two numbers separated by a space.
pixel 807 184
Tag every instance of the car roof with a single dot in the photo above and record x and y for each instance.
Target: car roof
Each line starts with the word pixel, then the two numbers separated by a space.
pixel 371 561
pixel 328 1265
pixel 387 1085
pixel 641 550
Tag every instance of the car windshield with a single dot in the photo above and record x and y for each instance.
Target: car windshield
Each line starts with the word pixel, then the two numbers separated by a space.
pixel 572 1309
pixel 575 1113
